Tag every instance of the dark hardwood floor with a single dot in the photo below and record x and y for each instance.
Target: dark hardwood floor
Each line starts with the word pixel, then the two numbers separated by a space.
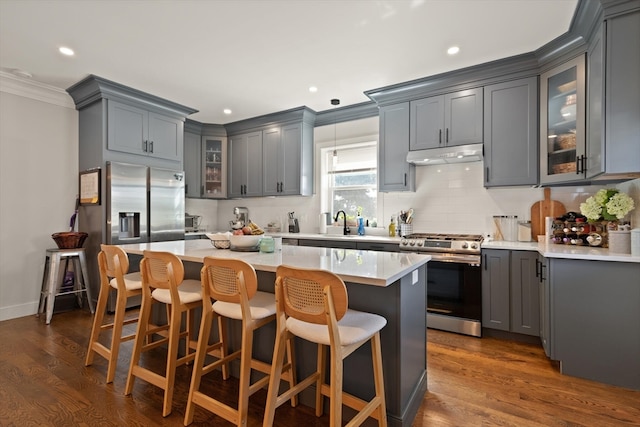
pixel 472 382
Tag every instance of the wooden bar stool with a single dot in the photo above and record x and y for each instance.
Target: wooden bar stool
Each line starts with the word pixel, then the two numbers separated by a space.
pixel 313 305
pixel 234 286
pixel 163 281
pixel 50 286
pixel 113 264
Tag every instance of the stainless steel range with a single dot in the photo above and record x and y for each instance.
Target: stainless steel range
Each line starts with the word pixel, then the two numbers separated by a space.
pixel 454 286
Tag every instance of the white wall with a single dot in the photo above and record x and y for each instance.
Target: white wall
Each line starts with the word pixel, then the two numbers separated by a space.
pixel 38 185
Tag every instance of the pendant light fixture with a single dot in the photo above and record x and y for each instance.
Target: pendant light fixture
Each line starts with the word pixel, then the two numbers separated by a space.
pixel 335 102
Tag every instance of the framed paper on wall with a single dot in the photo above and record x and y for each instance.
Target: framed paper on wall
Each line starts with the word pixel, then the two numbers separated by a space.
pixel 90 187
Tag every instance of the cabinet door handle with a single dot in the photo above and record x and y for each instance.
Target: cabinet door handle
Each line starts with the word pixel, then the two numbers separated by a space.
pixel 537 267
pixel 543 268
pixel 144 145
pixel 440 137
pixel 405 179
pixel 486 179
pixel 485 262
pixel 151 147
pixel 447 137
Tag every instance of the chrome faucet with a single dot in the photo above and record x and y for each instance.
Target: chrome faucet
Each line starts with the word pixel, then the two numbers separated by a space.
pixel 345 230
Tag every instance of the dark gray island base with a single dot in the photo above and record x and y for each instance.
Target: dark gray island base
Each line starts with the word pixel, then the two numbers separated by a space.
pixel 402 301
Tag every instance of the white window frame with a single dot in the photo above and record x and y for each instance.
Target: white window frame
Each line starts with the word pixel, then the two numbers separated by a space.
pixel 324 167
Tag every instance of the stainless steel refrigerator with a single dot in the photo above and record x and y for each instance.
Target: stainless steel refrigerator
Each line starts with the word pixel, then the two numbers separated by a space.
pixel 142 204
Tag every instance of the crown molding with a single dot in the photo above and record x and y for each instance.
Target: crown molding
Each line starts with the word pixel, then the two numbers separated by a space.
pixel 32 89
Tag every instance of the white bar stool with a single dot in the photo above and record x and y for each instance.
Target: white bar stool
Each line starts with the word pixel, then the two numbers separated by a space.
pixel 50 286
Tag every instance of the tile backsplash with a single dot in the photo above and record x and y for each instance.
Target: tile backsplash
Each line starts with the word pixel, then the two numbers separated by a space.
pixel 448 199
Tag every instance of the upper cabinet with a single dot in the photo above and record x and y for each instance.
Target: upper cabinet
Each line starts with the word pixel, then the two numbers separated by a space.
pixel 272 155
pixel 121 124
pixel 621 157
pixel 138 131
pixel 214 167
pixel 288 160
pixel 443 120
pixel 562 122
pixel 245 165
pixel 205 161
pixel 394 173
pixel 511 133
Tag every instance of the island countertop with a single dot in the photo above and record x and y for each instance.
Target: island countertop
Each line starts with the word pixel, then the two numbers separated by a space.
pixel 365 267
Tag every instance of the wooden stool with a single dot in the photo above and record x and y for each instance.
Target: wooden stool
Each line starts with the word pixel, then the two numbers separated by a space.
pixel 233 284
pixel 113 264
pixel 50 286
pixel 163 281
pixel 312 304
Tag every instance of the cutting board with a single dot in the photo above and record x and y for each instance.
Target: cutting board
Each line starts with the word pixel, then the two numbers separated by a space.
pixel 542 209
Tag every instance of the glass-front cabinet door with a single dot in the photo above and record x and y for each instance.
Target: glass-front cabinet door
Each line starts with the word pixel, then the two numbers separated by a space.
pixel 214 167
pixel 562 123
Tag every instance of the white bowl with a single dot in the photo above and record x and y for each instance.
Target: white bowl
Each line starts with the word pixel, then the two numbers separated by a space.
pixel 244 241
pixel 218 236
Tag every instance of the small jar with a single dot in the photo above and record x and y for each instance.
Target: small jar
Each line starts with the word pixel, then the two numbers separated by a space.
pixel 267 244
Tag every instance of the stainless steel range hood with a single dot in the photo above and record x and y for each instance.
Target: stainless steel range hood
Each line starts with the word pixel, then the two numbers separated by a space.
pixel 452 154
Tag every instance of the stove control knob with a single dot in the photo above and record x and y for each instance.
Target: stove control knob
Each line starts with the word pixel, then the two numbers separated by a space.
pixel 465 245
pixel 405 243
pixel 419 243
pixel 474 246
pixel 412 243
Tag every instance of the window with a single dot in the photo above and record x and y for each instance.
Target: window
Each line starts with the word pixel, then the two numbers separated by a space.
pixel 349 181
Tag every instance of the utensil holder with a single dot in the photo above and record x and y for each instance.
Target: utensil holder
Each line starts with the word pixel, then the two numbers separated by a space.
pixel 620 242
pixel 406 229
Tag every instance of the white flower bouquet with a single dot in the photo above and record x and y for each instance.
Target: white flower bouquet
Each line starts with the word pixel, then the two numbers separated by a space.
pixel 607 204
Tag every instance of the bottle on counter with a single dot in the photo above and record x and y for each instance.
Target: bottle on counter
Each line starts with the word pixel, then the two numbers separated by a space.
pixel 392 227
pixel 360 222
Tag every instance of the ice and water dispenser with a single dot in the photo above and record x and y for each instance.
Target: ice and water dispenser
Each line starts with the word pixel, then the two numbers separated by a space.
pixel 129 225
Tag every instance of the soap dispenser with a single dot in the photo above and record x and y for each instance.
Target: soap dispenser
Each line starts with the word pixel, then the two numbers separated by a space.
pixel 360 222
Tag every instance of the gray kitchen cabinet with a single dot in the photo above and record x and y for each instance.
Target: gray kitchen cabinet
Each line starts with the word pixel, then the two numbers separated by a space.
pixel 562 122
pixel 192 165
pixel 135 130
pixel 544 297
pixel 214 167
pixel 525 297
pixel 511 133
pixel 595 106
pixel 595 319
pixel 272 161
pixel 394 173
pixel 288 160
pixel 495 289
pixel 510 291
pixel 245 164
pixel 450 119
pixel 375 246
pixel 339 244
pixel 622 96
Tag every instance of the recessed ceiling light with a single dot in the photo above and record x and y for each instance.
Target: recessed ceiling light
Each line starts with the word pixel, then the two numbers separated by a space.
pixel 227 111
pixel 453 50
pixel 66 51
pixel 313 89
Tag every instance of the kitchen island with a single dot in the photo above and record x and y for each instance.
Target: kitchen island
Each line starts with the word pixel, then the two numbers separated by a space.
pixel 392 285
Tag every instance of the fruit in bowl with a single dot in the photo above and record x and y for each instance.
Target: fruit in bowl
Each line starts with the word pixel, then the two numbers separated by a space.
pixel 244 241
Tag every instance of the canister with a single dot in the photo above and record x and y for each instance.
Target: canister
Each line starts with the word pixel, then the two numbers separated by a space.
pixel 267 244
pixel 505 227
pixel 524 231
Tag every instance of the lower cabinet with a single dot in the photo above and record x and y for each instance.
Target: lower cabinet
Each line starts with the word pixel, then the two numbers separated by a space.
pixel 510 291
pixel 594 319
pixel 342 244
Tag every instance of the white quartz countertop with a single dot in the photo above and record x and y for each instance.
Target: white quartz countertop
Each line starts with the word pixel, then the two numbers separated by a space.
pixel 358 266
pixel 370 238
pixel 551 250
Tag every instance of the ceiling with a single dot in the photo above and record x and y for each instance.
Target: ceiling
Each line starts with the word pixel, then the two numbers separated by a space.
pixel 258 57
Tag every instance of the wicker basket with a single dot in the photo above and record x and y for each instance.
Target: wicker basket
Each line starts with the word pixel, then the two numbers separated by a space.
pixel 69 239
pixel 221 244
